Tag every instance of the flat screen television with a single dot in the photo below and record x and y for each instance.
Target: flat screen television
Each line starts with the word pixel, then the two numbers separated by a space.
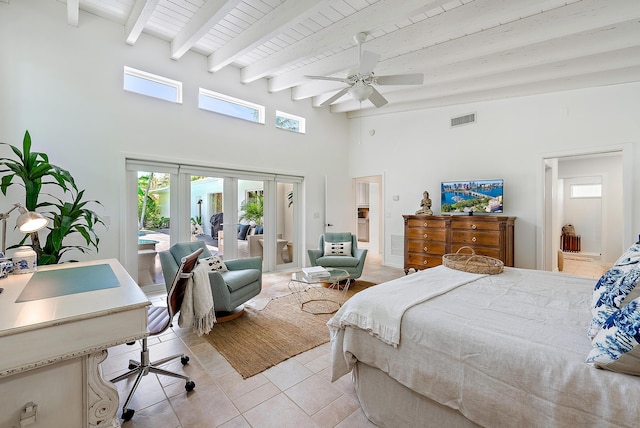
pixel 472 196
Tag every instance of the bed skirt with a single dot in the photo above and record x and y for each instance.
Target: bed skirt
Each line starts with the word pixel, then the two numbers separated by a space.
pixel 388 403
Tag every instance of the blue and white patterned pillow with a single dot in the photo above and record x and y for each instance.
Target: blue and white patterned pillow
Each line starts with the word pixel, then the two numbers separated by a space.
pixel 214 263
pixel 613 288
pixel 616 347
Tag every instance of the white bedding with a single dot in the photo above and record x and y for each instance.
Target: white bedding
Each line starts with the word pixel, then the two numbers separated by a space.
pixel 504 350
pixel 383 321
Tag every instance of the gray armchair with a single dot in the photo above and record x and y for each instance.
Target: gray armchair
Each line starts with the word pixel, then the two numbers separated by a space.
pixel 352 264
pixel 230 289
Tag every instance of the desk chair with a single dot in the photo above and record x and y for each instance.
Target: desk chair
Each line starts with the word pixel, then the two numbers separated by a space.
pixel 159 319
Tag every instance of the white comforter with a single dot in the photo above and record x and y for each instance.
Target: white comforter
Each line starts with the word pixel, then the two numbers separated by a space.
pixel 505 350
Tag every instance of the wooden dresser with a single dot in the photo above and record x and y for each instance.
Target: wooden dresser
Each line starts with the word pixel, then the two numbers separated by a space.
pixel 428 238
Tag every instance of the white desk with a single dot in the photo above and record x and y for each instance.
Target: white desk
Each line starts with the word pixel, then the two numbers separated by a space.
pixel 51 349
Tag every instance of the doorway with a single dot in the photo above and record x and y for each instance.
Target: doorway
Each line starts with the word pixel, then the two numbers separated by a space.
pixel 368 212
pixel 596 218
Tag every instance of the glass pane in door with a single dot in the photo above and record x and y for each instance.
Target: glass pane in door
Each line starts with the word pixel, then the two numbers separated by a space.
pixel 153 224
pixel 284 221
pixel 207 213
pixel 251 218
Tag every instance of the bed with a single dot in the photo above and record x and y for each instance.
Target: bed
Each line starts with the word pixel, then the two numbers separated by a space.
pixel 442 347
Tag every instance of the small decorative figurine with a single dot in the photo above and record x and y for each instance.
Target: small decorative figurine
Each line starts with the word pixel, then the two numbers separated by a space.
pixel 425 205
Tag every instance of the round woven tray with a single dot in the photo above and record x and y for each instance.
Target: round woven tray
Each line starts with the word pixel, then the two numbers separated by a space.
pixel 471 262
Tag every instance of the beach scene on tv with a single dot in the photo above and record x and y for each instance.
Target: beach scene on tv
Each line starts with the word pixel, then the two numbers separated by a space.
pixel 481 196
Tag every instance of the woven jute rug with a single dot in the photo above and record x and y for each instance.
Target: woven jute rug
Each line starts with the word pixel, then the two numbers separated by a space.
pixel 260 339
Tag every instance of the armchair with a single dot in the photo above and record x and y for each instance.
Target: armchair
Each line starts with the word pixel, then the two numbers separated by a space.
pixel 230 289
pixel 353 263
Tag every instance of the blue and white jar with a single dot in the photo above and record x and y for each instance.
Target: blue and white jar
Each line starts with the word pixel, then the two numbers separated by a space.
pixel 24 260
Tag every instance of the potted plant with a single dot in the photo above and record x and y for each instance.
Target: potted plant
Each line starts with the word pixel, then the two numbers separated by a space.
pixel 34 171
pixel 253 210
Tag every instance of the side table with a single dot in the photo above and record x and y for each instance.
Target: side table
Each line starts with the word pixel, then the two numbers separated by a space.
pixel 312 296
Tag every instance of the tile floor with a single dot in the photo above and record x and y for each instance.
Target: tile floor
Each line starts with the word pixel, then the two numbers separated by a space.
pixel 295 393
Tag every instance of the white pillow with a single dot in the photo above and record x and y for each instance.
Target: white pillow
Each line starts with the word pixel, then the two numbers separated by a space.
pixel 214 263
pixel 337 248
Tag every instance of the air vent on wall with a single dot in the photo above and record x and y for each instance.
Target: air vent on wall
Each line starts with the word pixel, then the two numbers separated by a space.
pixel 463 120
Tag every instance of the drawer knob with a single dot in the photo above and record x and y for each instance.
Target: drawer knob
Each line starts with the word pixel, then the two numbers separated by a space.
pixel 425 235
pixel 426 249
pixel 425 224
pixel 473 239
pixel 473 226
pixel 424 262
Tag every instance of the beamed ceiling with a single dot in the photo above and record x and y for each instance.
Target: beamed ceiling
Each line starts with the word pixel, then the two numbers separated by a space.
pixel 468 50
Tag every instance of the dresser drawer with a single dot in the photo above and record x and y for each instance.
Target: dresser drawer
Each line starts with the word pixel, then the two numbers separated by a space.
pixel 470 224
pixel 426 247
pixel 426 222
pixel 481 251
pixel 425 234
pixel 489 239
pixel 419 261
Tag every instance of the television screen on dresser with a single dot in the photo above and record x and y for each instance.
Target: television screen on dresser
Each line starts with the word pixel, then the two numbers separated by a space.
pixel 472 196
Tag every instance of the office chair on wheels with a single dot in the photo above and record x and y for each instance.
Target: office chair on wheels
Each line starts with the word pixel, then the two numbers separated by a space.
pixel 159 319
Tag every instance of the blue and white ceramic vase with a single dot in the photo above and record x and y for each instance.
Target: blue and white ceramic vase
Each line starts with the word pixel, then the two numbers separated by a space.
pixel 24 260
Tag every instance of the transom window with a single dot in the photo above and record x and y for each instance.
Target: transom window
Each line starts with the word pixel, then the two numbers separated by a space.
pixel 234 107
pixel 586 190
pixel 152 85
pixel 290 122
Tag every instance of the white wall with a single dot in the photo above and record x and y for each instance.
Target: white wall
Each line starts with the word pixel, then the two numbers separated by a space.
pixel 416 150
pixel 64 84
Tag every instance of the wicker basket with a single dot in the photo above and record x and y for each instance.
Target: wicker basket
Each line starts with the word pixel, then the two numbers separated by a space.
pixel 472 262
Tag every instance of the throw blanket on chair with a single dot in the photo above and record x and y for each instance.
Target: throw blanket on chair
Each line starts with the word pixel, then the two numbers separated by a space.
pixel 197 307
pixel 383 321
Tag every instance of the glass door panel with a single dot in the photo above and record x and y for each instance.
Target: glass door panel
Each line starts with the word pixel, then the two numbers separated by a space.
pixel 154 224
pixel 207 213
pixel 251 218
pixel 284 221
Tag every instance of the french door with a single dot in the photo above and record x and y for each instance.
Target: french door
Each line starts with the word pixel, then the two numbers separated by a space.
pixel 236 213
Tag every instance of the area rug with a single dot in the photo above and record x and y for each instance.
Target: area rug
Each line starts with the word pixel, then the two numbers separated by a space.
pixel 260 339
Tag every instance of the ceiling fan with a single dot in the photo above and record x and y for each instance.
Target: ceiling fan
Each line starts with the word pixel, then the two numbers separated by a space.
pixel 361 81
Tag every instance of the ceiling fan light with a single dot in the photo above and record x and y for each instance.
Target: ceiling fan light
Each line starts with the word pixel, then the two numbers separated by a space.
pixel 361 92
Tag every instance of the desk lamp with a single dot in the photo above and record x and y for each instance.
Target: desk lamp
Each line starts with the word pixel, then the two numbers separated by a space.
pixel 27 222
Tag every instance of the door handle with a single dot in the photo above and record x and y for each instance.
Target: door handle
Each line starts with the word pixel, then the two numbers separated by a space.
pixel 329 224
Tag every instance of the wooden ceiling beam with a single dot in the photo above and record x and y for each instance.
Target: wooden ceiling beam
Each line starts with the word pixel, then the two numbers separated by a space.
pixel 212 12
pixel 137 19
pixel 287 14
pixel 378 15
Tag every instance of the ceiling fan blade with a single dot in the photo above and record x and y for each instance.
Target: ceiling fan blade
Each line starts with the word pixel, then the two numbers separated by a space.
pixel 335 97
pixel 368 61
pixel 335 79
pixel 377 99
pixel 401 79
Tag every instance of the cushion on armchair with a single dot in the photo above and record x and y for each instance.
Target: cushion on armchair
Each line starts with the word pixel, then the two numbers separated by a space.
pixel 337 248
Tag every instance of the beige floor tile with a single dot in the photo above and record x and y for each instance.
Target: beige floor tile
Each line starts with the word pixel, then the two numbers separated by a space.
pixel 237 422
pixel 313 394
pixel 287 374
pixel 205 406
pixel 158 415
pixel 336 411
pixel 278 412
pixel 234 386
pixel 257 396
pixel 356 420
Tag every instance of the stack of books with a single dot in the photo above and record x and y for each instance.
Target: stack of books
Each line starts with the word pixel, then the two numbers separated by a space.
pixel 315 273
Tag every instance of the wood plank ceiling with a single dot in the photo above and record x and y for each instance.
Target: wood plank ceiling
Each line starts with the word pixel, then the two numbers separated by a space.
pixel 468 50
